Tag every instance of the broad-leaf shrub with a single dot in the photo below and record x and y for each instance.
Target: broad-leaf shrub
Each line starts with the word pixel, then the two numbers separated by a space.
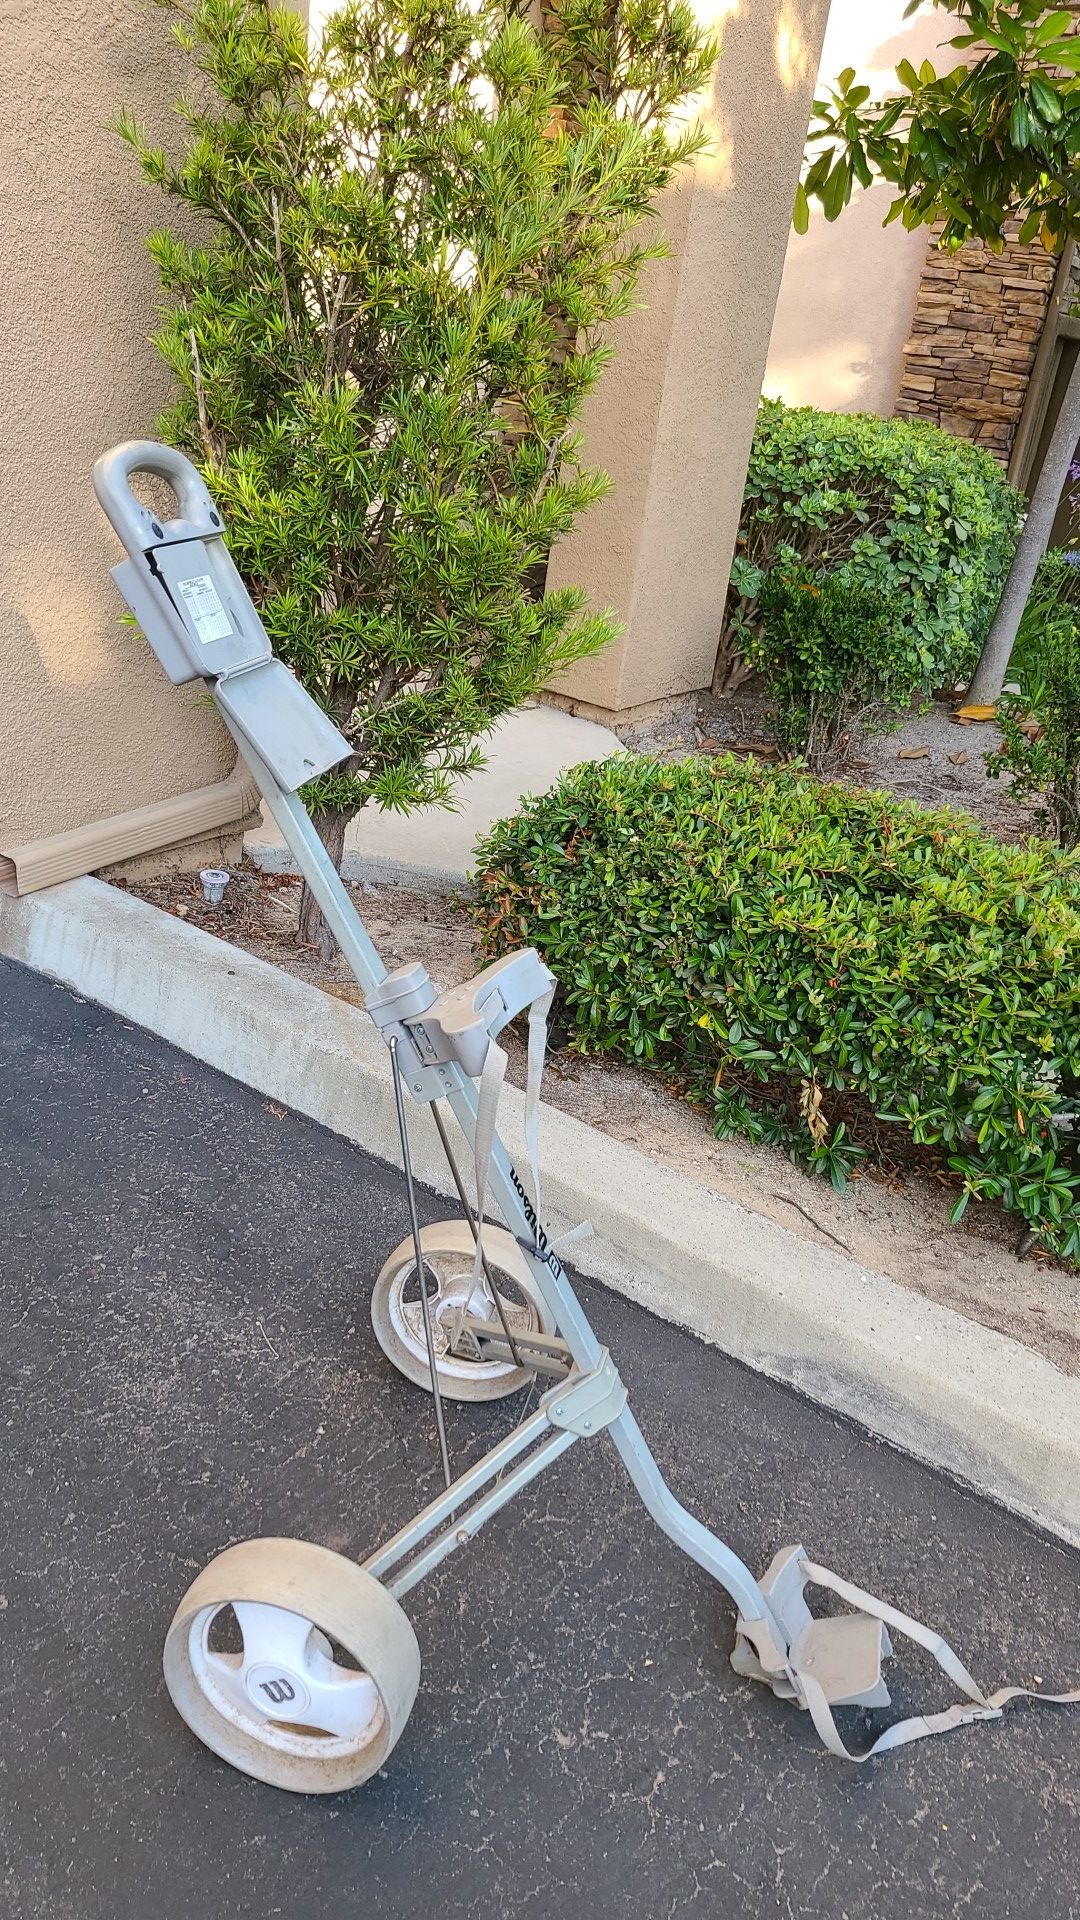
pixel 825 650
pixel 1045 763
pixel 825 967
pixel 921 519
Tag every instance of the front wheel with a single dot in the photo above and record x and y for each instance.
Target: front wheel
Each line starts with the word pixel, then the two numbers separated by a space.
pixel 293 1664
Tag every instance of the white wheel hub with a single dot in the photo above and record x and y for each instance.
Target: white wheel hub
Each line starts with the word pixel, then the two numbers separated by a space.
pixel 454 1298
pixel 397 1311
pixel 279 1687
pixel 286 1683
pixel 287 1708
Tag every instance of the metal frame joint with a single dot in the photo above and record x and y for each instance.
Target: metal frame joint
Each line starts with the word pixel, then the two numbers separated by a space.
pixel 587 1402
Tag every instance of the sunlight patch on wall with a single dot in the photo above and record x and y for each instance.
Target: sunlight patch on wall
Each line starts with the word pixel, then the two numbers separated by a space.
pixel 715 163
pixel 834 377
pixel 790 49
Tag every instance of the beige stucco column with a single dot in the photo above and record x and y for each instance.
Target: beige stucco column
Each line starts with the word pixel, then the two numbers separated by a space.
pixel 673 417
pixel 89 727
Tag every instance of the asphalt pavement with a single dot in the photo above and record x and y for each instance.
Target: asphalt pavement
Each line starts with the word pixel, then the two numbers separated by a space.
pixel 187 1361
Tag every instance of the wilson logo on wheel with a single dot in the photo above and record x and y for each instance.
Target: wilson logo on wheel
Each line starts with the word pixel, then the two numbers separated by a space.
pixel 278 1690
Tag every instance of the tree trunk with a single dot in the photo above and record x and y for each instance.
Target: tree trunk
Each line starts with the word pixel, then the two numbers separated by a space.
pixel 313 930
pixel 994 661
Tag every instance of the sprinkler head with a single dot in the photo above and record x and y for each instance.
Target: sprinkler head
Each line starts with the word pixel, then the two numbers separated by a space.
pixel 214 882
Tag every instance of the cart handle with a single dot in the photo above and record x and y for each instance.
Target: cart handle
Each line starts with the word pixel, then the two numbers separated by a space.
pixel 199 517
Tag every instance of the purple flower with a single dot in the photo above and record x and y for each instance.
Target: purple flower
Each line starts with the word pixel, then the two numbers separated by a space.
pixel 1071 556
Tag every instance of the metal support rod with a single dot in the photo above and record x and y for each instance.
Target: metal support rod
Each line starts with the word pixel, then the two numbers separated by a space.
pixel 465 1486
pixel 290 815
pixel 421 1267
pixel 547 1271
pixel 462 1530
pixel 466 1209
pixel 695 1539
pixel 550 1344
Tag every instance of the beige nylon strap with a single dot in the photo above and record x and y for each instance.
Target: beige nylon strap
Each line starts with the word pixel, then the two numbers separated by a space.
pixel 981 1706
pixel 488 1096
pixel 538 1033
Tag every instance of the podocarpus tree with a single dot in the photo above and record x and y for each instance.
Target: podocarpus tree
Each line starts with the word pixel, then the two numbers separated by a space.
pixel 411 239
pixel 994 140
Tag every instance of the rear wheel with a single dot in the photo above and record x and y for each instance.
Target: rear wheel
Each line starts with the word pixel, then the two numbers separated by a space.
pixel 397 1313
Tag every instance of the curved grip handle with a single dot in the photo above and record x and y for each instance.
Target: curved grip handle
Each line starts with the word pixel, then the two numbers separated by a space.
pixel 137 525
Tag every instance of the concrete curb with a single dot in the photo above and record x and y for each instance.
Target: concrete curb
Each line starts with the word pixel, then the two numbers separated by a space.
pixel 943 1388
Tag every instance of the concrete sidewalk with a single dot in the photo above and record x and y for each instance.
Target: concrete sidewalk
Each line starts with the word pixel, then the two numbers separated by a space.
pixel 188 1361
pixel 526 753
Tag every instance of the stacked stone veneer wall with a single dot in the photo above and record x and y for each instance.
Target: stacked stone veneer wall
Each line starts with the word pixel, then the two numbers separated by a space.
pixel 974 336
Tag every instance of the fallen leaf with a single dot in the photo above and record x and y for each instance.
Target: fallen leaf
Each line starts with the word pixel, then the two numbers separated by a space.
pixel 914 753
pixel 958 759
pixel 975 712
pixel 279 1113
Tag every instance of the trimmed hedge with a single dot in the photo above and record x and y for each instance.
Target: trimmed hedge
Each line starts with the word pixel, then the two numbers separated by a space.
pixel 923 520
pixel 825 967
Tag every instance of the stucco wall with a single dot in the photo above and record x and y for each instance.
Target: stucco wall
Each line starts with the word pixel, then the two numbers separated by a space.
pixel 90 726
pixel 849 289
pixel 673 417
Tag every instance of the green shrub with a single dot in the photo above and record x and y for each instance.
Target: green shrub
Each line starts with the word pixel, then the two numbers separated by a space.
pixel 1054 597
pixel 1046 666
pixel 826 650
pixel 920 518
pixel 824 967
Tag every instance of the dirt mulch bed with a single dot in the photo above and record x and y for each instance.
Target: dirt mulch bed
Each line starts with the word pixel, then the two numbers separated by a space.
pixel 896 1224
pixel 929 758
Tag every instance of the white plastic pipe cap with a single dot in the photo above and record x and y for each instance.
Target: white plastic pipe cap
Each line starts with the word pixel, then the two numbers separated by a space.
pixel 214 882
